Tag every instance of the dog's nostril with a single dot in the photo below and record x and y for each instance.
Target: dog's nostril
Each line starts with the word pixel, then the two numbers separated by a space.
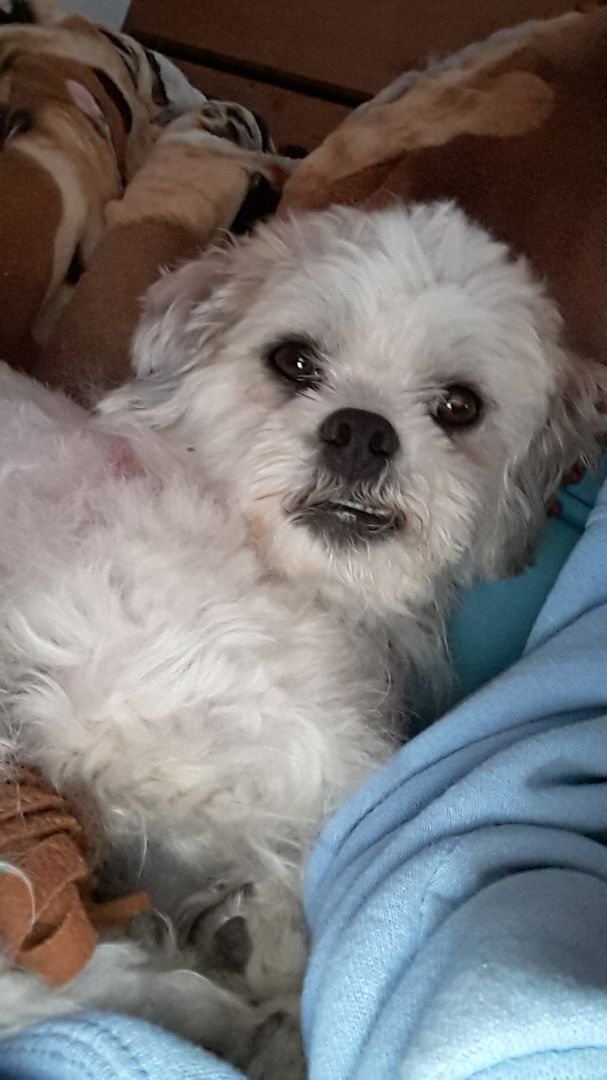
pixel 384 440
pixel 342 435
pixel 336 430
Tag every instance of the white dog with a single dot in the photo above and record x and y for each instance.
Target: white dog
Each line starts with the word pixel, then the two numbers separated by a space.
pixel 216 595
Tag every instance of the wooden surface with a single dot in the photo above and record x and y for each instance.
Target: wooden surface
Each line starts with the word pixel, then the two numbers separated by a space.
pixel 301 63
pixel 354 47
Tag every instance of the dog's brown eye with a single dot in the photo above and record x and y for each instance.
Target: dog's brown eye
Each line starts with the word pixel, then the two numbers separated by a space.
pixel 457 407
pixel 296 361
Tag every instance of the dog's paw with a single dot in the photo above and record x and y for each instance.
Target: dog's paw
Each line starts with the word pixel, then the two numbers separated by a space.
pixel 220 934
pixel 252 938
pixel 277 1050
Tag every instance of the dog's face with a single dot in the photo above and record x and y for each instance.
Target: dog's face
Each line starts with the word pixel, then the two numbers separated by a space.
pixel 384 395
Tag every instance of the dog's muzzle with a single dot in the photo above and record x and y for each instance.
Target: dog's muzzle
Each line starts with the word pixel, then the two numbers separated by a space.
pixel 350 500
pixel 346 505
pixel 342 515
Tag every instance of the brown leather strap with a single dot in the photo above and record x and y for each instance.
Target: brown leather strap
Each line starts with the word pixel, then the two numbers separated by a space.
pixel 48 921
pixel 40 903
pixel 117 912
pixel 65 950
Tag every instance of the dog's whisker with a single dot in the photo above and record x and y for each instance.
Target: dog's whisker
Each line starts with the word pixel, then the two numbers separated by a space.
pixel 269 495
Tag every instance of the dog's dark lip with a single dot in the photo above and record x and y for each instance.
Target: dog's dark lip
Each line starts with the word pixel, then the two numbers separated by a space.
pixel 362 513
pixel 349 520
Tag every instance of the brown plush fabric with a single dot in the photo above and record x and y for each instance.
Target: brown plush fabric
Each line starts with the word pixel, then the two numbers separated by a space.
pixel 31 212
pixel 60 164
pixel 100 192
pixel 518 136
pixel 125 96
pixel 191 187
pixel 88 350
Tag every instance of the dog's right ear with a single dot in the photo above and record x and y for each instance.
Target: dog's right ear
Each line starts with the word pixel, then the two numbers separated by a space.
pixel 183 316
pixel 181 313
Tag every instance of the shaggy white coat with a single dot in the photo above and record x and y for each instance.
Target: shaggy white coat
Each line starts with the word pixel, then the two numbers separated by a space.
pixel 215 675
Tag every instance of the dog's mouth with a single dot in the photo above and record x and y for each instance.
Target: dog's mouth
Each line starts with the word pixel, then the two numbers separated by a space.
pixel 348 520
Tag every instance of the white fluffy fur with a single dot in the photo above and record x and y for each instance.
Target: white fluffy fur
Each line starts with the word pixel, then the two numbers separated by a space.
pixel 213 674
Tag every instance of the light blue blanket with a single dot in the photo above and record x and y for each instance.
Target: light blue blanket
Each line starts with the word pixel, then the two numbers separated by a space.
pixel 457 903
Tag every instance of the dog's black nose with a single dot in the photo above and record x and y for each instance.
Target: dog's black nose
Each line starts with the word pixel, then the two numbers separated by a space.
pixel 357 444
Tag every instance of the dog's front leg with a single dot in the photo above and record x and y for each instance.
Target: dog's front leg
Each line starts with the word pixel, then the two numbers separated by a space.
pixel 122 977
pixel 253 940
pixel 277 1049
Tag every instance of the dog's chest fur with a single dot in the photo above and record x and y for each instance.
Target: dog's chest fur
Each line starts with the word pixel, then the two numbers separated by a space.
pixel 152 662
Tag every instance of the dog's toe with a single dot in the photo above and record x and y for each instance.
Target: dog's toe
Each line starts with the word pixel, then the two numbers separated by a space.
pixel 277 1050
pixel 220 934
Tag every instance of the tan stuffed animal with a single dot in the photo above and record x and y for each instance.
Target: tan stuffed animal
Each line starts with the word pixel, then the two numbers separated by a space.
pixel 80 112
pixel 196 183
pixel 516 132
pixel 73 130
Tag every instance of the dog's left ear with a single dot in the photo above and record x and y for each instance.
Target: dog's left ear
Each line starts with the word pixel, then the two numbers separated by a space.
pixel 183 315
pixel 574 434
